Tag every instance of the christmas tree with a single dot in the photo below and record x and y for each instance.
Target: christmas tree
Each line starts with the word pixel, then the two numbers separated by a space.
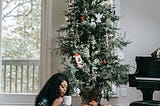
pixel 90 46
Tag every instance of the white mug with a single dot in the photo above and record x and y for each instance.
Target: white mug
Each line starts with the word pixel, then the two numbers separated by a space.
pixel 67 100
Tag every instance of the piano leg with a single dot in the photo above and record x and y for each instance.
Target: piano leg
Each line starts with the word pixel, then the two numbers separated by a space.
pixel 147 94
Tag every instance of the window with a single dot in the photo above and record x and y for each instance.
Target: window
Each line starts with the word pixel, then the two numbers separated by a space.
pixel 21 21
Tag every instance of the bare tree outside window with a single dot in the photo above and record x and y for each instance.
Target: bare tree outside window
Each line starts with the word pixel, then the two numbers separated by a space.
pixel 21 29
pixel 21 21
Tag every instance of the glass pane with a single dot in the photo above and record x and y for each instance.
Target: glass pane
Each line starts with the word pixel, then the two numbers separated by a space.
pixel 21 21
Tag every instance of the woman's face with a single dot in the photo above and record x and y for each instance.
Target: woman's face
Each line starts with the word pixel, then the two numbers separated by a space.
pixel 63 88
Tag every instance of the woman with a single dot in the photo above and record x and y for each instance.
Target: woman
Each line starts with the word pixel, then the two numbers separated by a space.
pixel 53 91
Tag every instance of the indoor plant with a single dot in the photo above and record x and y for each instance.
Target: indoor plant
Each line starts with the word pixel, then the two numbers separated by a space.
pixel 90 46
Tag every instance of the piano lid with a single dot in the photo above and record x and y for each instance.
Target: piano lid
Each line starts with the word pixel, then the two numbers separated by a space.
pixel 141 58
pixel 148 67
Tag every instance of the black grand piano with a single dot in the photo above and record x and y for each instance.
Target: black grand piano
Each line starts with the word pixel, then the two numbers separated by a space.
pixel 146 79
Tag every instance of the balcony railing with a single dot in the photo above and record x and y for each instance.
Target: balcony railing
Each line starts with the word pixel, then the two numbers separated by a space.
pixel 20 76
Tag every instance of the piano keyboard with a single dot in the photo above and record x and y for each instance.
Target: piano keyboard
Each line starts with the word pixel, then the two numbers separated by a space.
pixel 147 78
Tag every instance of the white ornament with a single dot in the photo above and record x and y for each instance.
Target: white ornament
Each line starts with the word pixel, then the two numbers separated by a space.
pixel 93 24
pixel 98 16
pixel 70 4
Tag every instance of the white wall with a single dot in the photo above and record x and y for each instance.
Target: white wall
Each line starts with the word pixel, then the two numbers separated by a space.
pixel 141 22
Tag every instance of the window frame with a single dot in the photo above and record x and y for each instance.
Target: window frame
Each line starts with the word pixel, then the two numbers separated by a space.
pixel 45 56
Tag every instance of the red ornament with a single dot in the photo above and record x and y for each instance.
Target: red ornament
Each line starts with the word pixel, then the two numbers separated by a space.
pixel 82 18
pixel 105 62
pixel 79 61
pixel 77 58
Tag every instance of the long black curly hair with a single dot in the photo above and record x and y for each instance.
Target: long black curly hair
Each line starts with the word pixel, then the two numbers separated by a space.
pixel 51 90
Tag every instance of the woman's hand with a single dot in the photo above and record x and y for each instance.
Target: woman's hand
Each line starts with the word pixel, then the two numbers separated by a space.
pixel 57 102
